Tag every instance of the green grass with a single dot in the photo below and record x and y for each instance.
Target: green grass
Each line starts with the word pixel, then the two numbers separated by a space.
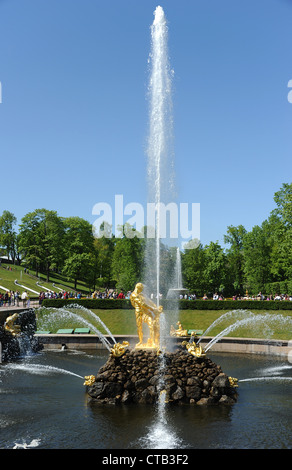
pixel 123 322
pixel 8 277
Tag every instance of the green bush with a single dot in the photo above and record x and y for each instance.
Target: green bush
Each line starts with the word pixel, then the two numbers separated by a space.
pixel 105 304
pixel 233 305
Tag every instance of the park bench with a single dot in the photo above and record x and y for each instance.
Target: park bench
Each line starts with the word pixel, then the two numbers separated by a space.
pixel 82 331
pixel 196 332
pixel 65 331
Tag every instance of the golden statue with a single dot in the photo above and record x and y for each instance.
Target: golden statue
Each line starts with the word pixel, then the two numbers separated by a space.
pixel 89 380
pixel 146 312
pixel 10 327
pixel 119 349
pixel 233 381
pixel 192 348
pixel 179 331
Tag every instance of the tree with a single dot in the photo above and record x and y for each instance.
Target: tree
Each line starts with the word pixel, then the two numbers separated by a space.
pixel 215 268
pixel 104 247
pixel 193 266
pixel 281 220
pixel 235 259
pixel 8 238
pixel 76 266
pixel 40 240
pixel 127 259
pixel 256 251
pixel 283 199
pixel 78 242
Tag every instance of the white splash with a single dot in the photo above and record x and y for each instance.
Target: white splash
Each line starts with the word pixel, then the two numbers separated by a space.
pixel 24 445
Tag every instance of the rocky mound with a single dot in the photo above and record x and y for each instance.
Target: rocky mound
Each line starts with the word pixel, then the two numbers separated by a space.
pixel 141 376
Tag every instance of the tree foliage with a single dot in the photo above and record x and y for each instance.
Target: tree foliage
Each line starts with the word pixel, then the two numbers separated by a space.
pixel 255 260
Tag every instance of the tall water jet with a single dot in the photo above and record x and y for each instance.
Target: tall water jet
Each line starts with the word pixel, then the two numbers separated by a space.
pixel 160 149
pixel 176 289
pixel 178 270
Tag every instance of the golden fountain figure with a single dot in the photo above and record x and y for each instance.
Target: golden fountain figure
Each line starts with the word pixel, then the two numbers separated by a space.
pixel 119 349
pixel 179 332
pixel 89 380
pixel 10 327
pixel 146 312
pixel 192 347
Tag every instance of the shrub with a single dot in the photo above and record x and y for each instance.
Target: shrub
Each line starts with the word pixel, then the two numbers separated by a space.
pixel 183 304
pixel 89 303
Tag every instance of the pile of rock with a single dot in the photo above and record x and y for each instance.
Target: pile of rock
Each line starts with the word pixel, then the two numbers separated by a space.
pixel 140 376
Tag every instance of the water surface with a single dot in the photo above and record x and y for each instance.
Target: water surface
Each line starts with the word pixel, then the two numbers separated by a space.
pixel 43 404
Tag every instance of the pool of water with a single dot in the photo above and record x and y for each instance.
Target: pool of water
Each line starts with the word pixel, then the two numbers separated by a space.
pixel 44 405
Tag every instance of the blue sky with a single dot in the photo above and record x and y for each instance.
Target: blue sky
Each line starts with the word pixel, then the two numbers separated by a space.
pixel 74 111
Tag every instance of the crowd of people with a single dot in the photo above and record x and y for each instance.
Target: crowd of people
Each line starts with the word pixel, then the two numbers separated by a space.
pixel 15 298
pixel 106 294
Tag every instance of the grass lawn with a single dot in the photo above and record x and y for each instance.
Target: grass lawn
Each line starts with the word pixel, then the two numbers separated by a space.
pixel 7 278
pixel 123 322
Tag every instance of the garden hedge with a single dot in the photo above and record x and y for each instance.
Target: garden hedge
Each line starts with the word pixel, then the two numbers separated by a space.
pixel 170 304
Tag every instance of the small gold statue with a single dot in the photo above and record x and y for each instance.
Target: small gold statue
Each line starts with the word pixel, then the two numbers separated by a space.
pixel 179 332
pixel 90 379
pixel 146 312
pixel 233 381
pixel 192 348
pixel 119 349
pixel 10 327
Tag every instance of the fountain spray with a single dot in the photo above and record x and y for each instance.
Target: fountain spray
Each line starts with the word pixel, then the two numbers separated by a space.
pixel 160 141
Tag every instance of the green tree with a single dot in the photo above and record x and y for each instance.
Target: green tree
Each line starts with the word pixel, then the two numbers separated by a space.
pixel 256 250
pixel 127 259
pixel 215 268
pixel 281 222
pixel 40 240
pixel 79 247
pixel 104 248
pixel 193 266
pixel 8 238
pixel 235 259
pixel 77 266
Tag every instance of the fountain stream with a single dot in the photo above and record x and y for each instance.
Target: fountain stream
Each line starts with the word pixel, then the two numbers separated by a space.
pixel 266 320
pixel 159 152
pixel 65 313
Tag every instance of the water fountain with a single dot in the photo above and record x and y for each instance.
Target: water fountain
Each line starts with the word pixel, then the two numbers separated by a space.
pixel 74 312
pixel 147 374
pixel 143 375
pixel 266 321
pixel 140 376
pixel 160 171
pixel 177 291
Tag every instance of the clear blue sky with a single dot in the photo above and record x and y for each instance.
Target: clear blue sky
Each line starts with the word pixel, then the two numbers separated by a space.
pixel 73 117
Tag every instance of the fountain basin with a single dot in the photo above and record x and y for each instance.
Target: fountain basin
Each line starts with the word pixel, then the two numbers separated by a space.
pixel 226 344
pixel 141 376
